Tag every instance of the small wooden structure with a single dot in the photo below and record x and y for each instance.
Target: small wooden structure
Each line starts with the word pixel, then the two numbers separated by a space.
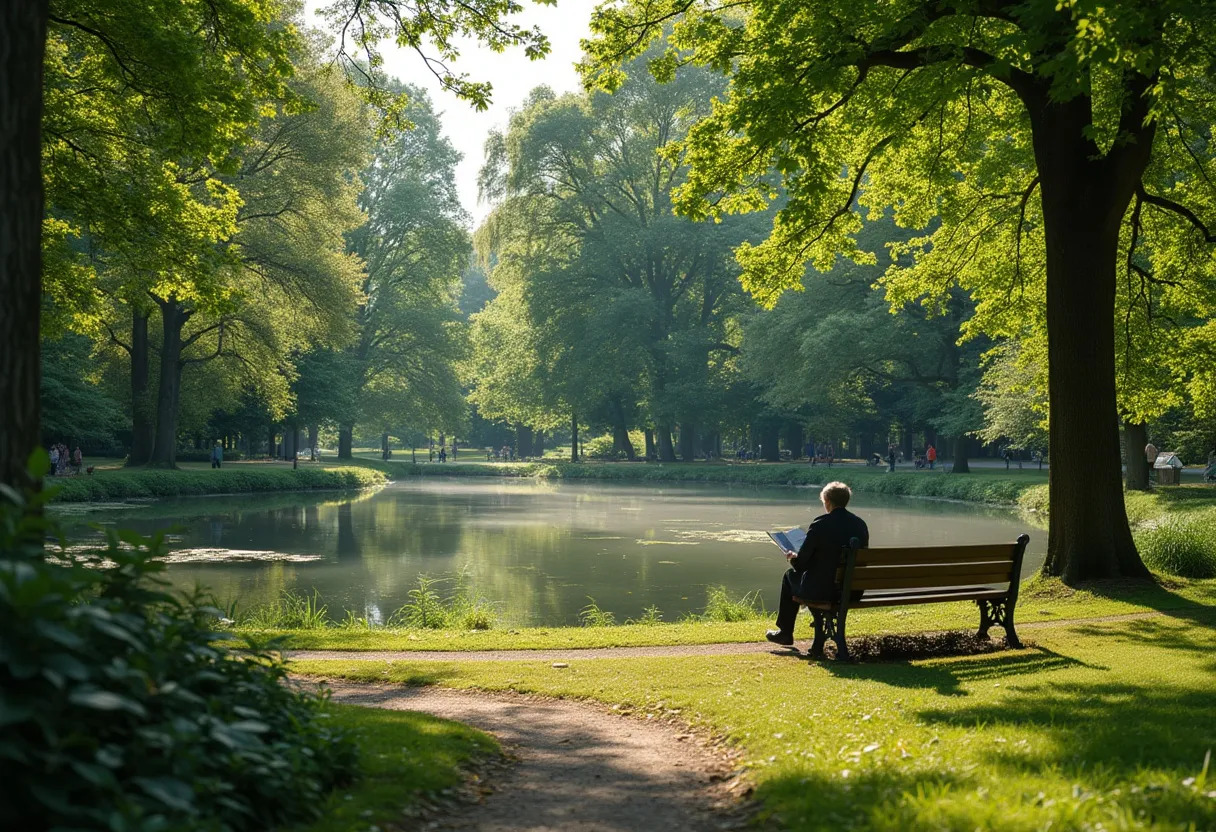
pixel 988 574
pixel 1169 469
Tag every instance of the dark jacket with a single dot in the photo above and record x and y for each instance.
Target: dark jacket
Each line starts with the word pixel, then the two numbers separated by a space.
pixel 819 556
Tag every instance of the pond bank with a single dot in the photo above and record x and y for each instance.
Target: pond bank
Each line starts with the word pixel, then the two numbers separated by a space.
pixel 143 483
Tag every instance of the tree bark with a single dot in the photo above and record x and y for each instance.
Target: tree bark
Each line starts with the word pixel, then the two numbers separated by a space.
pixel 795 437
pixel 538 443
pixel 523 441
pixel 667 452
pixel 574 456
pixel 770 443
pixel 142 422
pixel 959 464
pixel 22 39
pixel 312 442
pixel 908 449
pixel 1135 437
pixel 688 441
pixel 173 319
pixel 345 434
pixel 1084 200
pixel 271 445
pixel 648 435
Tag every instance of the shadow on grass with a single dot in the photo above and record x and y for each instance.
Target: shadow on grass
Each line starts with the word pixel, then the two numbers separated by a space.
pixel 948 678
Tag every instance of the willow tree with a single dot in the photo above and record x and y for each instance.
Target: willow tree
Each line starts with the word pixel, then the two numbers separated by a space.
pixel 1040 132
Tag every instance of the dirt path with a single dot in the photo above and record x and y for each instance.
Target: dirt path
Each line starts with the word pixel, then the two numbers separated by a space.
pixel 576 654
pixel 579 767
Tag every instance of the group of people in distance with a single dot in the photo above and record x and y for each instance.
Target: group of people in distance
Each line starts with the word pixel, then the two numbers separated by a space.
pixel 64 462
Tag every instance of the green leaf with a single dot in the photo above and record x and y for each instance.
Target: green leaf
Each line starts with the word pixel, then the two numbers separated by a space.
pixel 104 700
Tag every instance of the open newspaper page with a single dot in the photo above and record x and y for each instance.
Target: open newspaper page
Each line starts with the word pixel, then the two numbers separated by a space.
pixel 790 540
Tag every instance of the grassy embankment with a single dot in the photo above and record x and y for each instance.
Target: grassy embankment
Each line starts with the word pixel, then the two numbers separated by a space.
pixel 112 484
pixel 405 758
pixel 1096 725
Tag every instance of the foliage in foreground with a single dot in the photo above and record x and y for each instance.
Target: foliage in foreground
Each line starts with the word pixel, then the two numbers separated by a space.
pixel 138 484
pixel 118 710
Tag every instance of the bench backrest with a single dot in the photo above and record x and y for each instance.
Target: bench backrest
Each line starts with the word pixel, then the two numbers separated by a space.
pixel 914 567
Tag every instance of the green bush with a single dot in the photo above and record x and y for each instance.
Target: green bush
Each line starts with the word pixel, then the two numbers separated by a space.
pixel 428 610
pixel 720 605
pixel 290 611
pixel 149 483
pixel 119 711
pixel 1183 545
pixel 593 616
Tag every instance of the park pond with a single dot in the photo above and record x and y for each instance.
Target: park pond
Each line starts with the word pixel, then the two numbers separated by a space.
pixel 537 549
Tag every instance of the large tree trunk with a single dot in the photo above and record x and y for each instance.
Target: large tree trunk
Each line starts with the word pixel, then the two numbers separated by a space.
pixel 164 447
pixel 538 443
pixel 688 441
pixel 959 464
pixel 523 441
pixel 770 442
pixel 345 433
pixel 648 436
pixel 142 423
pixel 1084 201
pixel 906 438
pixel 620 432
pixel 794 439
pixel 22 38
pixel 1135 437
pixel 667 453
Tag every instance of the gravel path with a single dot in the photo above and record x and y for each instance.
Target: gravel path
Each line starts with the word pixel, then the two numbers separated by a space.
pixel 673 650
pixel 578 767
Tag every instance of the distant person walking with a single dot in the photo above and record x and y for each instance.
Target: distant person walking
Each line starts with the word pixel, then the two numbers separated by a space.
pixel 1150 453
pixel 217 456
pixel 931 455
pixel 890 459
pixel 443 454
pixel 77 460
pixel 54 459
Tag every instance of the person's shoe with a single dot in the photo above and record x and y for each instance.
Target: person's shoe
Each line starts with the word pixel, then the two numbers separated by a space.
pixel 778 637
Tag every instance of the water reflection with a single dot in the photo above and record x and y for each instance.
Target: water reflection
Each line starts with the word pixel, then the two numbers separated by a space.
pixel 537 548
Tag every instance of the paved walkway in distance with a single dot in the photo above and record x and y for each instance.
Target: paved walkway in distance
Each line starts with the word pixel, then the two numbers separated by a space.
pixel 578 767
pixel 581 653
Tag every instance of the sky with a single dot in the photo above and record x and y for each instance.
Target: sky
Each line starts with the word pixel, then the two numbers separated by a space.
pixel 511 73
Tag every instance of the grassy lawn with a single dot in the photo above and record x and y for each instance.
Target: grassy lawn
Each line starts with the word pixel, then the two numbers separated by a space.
pixel 1096 725
pixel 1041 601
pixel 195 479
pixel 404 756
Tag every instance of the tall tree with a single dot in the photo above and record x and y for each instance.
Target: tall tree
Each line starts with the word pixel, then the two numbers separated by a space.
pixel 1030 129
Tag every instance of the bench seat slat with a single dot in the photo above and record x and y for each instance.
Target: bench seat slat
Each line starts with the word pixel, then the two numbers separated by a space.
pixel 936 554
pixel 927 596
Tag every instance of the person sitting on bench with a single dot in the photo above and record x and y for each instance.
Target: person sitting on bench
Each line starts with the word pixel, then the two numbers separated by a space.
pixel 812 572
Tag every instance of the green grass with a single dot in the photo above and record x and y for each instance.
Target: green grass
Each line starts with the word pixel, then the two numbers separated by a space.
pixel 1041 601
pixel 1097 725
pixel 1181 544
pixel 141 483
pixel 404 757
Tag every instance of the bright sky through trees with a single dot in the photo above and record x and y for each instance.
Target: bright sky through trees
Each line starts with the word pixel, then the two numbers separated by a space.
pixel 512 74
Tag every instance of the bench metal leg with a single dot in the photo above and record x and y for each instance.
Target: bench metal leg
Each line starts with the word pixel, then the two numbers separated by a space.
pixel 829 625
pixel 997 613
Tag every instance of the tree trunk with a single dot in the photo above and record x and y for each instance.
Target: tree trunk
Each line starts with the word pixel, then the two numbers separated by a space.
pixel 1084 200
pixel 523 441
pixel 794 439
pixel 866 442
pixel 384 445
pixel 22 38
pixel 312 442
pixel 538 443
pixel 574 456
pixel 648 434
pixel 688 441
pixel 345 434
pixel 142 423
pixel 908 450
pixel 959 465
pixel 164 447
pixel 667 452
pixel 271 445
pixel 770 443
pixel 1135 437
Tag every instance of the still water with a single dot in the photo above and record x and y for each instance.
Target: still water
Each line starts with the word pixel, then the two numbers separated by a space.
pixel 537 549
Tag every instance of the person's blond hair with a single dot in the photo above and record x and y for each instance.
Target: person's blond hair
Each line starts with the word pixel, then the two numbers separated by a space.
pixel 836 493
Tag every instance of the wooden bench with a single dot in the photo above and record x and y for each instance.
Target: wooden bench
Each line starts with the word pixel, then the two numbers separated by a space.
pixel 987 574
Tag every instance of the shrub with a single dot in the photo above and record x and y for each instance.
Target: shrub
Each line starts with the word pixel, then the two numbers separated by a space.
pixel 1183 545
pixel 720 605
pixel 121 711
pixel 428 610
pixel 143 483
pixel 290 611
pixel 592 616
pixel 650 616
